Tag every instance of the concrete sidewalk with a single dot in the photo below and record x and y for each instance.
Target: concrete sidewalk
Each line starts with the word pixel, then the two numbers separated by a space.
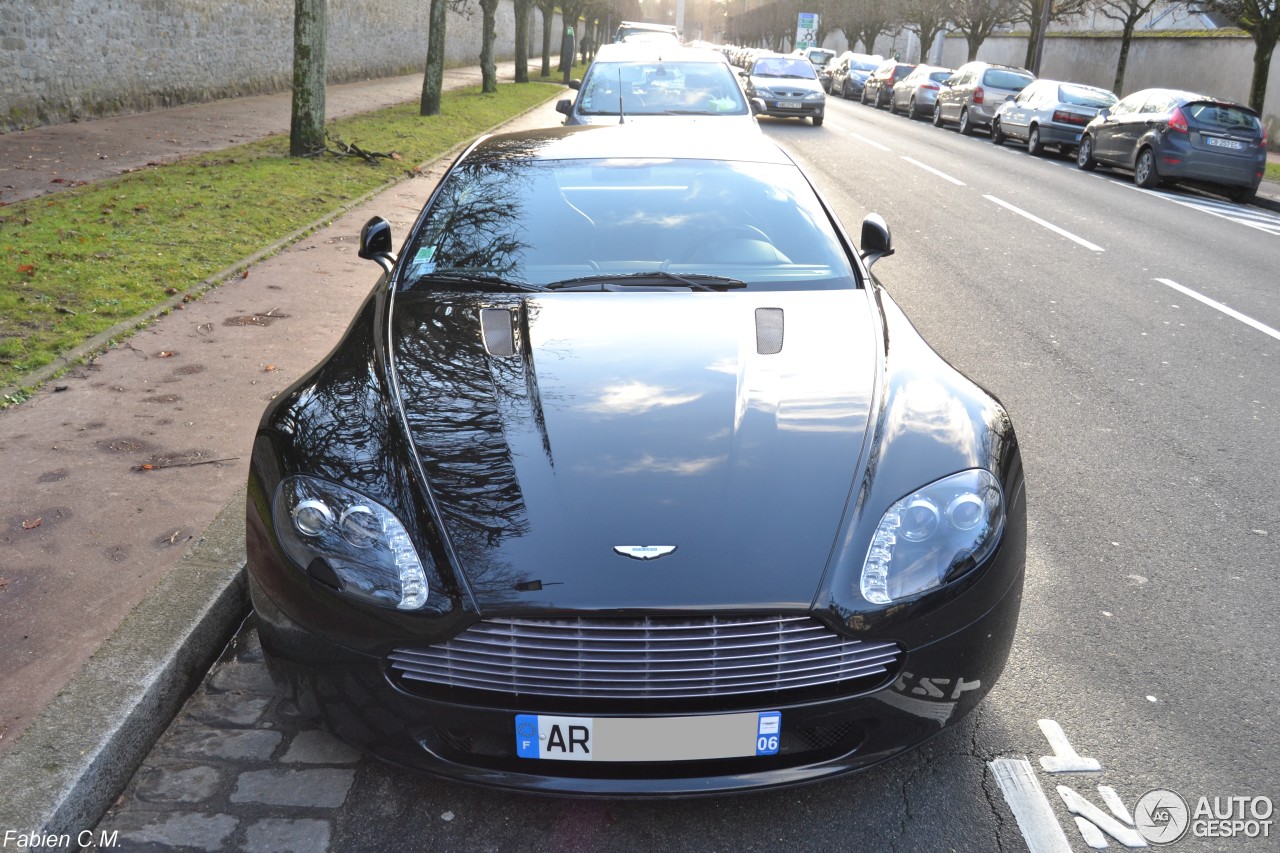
pixel 119 584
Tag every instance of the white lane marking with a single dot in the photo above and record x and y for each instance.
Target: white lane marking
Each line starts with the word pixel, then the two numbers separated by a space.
pixel 1078 805
pixel 942 175
pixel 1230 312
pixel 1262 221
pixel 1030 807
pixel 1065 759
pixel 870 142
pixel 1054 228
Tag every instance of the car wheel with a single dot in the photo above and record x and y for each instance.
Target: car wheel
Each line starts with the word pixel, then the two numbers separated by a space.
pixel 937 115
pixel 817 121
pixel 1242 195
pixel 1034 146
pixel 912 111
pixel 893 106
pixel 1084 155
pixel 965 127
pixel 1144 170
pixel 997 135
pixel 863 100
pixel 844 90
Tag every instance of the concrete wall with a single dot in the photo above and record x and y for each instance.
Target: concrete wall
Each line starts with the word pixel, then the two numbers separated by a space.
pixel 67 59
pixel 1222 67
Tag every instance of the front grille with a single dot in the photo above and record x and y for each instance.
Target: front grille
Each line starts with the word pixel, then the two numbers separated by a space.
pixel 647 659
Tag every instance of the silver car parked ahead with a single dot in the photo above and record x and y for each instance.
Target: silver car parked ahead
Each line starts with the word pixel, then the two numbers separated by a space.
pixel 971 96
pixel 1049 113
pixel 916 92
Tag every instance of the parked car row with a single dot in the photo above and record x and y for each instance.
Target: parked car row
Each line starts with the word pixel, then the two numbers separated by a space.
pixel 1160 135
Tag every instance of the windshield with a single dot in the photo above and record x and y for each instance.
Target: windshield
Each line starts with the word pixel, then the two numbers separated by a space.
pixel 1084 96
pixel 782 66
pixel 538 222
pixel 661 88
pixel 1223 116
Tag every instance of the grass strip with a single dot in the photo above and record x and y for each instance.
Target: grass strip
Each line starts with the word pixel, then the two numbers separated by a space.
pixel 78 262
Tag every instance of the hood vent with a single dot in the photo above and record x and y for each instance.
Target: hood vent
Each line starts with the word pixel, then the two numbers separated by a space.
pixel 498 327
pixel 768 331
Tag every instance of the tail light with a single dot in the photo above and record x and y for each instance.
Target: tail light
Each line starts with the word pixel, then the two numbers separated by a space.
pixel 1064 117
pixel 1177 121
pixel 978 95
pixel 933 87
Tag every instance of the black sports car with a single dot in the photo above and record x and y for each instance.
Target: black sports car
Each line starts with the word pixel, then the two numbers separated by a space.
pixel 628 479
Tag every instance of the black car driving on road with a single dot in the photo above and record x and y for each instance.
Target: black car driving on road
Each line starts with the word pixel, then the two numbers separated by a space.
pixel 628 478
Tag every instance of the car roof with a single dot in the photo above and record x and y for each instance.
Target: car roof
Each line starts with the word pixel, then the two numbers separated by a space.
pixel 628 141
pixel 653 51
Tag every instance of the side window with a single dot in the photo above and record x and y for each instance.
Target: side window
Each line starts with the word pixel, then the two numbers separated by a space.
pixel 1127 106
pixel 1158 104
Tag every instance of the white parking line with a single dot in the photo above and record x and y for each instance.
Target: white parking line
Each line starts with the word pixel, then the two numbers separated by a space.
pixel 1223 210
pixel 1030 807
pixel 1230 312
pixel 1054 228
pixel 942 175
pixel 866 141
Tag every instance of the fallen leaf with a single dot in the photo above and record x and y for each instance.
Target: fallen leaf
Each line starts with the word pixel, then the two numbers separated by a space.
pixel 146 466
pixel 27 269
pixel 164 353
pixel 268 368
pixel 4 582
pixel 32 524
pixel 244 274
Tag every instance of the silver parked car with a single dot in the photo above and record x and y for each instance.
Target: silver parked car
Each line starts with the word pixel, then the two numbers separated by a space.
pixel 971 96
pixel 648 81
pixel 916 92
pixel 787 85
pixel 1049 113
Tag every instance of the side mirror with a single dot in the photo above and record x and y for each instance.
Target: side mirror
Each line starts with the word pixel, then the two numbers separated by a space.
pixel 742 72
pixel 564 105
pixel 375 243
pixel 877 242
pixel 575 85
pixel 758 106
pixel 1104 113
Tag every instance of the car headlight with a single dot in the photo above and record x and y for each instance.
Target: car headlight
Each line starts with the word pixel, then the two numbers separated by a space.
pixel 763 93
pixel 933 536
pixel 350 542
pixel 814 96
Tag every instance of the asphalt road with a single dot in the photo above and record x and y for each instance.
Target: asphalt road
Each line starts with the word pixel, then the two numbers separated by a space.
pixel 1147 422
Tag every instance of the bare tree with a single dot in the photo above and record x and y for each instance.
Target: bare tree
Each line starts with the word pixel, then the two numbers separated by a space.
pixel 1037 14
pixel 977 19
pixel 926 18
pixel 1261 20
pixel 310 35
pixel 866 20
pixel 522 10
pixel 1128 13
pixel 488 34
pixel 548 10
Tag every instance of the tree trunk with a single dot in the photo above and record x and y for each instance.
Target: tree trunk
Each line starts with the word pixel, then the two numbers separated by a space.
pixel 310 36
pixel 546 42
pixel 433 77
pixel 1126 36
pixel 1261 71
pixel 522 8
pixel 974 39
pixel 488 32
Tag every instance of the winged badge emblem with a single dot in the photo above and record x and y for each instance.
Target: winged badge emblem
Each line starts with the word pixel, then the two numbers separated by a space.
pixel 644 552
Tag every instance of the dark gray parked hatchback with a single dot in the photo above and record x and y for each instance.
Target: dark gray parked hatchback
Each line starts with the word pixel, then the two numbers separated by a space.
pixel 1174 136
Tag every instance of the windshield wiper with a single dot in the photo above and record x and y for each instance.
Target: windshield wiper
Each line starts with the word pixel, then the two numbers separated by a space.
pixel 481 280
pixel 693 281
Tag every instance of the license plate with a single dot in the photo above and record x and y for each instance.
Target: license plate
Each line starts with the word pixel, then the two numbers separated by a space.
pixel 788 105
pixel 1225 143
pixel 648 738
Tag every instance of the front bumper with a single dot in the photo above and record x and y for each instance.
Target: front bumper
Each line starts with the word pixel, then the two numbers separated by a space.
pixel 793 108
pixel 362 703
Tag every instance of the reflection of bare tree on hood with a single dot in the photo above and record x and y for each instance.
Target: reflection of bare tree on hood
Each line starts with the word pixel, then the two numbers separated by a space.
pixel 477 221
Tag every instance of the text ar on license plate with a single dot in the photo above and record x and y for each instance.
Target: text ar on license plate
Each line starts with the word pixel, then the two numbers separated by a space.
pixel 648 738
pixel 1226 143
pixel 788 105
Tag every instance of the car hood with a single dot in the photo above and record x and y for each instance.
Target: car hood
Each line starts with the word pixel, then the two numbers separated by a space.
pixel 638 419
pixel 786 85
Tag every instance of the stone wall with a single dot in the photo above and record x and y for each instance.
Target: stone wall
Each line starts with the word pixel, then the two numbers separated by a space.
pixel 1221 67
pixel 61 60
